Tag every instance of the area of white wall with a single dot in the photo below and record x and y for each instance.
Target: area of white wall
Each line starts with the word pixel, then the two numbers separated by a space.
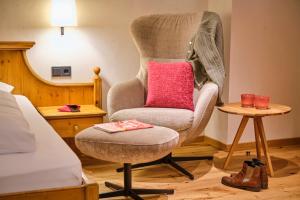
pixel 265 59
pixel 218 125
pixel 101 38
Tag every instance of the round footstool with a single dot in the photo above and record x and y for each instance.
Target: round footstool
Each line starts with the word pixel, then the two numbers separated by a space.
pixel 138 146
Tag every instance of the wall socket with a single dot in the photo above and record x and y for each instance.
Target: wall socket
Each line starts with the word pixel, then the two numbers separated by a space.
pixel 61 71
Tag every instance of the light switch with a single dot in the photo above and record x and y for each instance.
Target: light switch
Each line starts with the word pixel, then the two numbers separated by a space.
pixel 61 71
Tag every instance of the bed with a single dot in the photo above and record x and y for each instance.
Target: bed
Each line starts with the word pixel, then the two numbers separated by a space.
pixel 53 164
pixel 53 171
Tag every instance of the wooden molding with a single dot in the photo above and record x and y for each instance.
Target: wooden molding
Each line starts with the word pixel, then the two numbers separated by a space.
pixel 214 143
pixel 16 45
pixel 250 145
pixel 89 190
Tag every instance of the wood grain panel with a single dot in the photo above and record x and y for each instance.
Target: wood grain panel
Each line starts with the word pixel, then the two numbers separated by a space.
pixel 15 70
pixel 87 191
pixel 236 108
pixel 70 127
pixel 51 112
pixel 16 45
pixel 249 145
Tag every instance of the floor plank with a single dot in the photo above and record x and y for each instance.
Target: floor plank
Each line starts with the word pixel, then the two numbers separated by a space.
pixel 284 185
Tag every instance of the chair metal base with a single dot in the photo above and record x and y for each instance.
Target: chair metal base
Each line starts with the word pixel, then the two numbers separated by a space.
pixel 170 160
pixel 127 190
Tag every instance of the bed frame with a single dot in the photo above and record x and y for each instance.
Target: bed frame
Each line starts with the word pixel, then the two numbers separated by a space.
pixel 89 190
pixel 15 70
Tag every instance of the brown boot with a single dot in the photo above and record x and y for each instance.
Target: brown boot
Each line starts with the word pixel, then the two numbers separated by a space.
pixel 251 180
pixel 263 172
pixel 243 170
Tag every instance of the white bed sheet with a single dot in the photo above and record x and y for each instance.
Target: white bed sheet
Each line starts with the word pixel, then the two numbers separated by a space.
pixel 52 165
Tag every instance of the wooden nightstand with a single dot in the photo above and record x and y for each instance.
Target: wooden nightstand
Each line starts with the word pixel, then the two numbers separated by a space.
pixel 68 124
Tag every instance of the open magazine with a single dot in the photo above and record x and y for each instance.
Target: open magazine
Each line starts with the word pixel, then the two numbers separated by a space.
pixel 126 125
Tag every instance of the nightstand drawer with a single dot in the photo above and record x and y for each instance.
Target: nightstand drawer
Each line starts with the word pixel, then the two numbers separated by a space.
pixel 70 127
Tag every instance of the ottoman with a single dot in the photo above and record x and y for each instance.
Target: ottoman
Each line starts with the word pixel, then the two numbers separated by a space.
pixel 143 145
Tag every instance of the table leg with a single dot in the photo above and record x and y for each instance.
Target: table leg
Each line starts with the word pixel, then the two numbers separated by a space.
pixel 257 139
pixel 236 139
pixel 265 145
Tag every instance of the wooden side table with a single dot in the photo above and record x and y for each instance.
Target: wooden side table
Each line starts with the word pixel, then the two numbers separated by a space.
pixel 260 137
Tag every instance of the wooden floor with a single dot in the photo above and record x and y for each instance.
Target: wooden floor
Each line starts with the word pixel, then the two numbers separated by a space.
pixel 285 185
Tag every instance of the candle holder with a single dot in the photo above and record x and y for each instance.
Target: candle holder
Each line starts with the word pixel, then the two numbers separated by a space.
pixel 247 100
pixel 262 102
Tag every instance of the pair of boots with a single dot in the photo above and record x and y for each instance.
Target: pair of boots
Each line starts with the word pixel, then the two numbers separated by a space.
pixel 253 177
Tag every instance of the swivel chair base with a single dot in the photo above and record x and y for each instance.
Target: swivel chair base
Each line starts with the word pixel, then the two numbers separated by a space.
pixel 127 190
pixel 170 160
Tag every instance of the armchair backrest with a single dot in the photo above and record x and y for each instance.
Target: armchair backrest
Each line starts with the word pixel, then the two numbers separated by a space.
pixel 165 36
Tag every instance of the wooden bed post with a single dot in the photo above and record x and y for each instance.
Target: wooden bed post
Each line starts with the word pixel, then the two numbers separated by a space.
pixel 97 88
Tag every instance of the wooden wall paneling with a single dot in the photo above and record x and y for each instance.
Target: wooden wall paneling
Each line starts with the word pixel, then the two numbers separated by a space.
pixel 16 70
pixel 87 191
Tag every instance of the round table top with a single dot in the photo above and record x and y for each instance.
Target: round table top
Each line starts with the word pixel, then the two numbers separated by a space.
pixel 237 109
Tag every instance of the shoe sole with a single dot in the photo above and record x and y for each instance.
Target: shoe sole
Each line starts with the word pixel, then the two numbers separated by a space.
pixel 264 186
pixel 252 189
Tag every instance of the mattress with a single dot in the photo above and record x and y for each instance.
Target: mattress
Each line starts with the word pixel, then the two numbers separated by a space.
pixel 52 165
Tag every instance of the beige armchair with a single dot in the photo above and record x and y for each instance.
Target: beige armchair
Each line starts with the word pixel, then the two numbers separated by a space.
pixel 163 38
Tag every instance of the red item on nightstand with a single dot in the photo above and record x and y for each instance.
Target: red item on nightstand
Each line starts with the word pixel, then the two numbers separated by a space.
pixel 69 108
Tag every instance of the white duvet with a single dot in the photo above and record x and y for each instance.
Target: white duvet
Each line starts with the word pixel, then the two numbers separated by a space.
pixel 52 165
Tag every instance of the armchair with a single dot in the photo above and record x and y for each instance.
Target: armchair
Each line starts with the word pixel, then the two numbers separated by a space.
pixel 163 38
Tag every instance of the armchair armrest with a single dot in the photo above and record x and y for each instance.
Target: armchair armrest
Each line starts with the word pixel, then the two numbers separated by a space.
pixel 128 94
pixel 203 109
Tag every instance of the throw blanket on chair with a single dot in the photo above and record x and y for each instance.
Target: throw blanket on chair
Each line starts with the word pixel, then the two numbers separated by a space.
pixel 206 52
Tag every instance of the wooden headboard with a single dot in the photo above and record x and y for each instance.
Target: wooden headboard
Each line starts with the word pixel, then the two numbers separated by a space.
pixel 15 70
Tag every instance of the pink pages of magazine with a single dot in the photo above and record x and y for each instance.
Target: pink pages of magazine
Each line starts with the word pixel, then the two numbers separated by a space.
pixel 126 125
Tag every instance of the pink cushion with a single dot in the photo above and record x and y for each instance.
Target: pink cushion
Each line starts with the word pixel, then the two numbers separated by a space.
pixel 170 85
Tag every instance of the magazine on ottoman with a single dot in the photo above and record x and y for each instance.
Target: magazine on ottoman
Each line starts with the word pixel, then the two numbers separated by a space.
pixel 126 125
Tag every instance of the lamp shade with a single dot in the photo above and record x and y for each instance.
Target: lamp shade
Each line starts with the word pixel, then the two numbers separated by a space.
pixel 63 13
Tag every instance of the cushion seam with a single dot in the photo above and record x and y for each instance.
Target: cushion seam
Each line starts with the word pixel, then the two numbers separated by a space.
pixel 92 141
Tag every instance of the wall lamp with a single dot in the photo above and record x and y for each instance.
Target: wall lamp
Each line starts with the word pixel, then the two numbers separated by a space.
pixel 63 13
